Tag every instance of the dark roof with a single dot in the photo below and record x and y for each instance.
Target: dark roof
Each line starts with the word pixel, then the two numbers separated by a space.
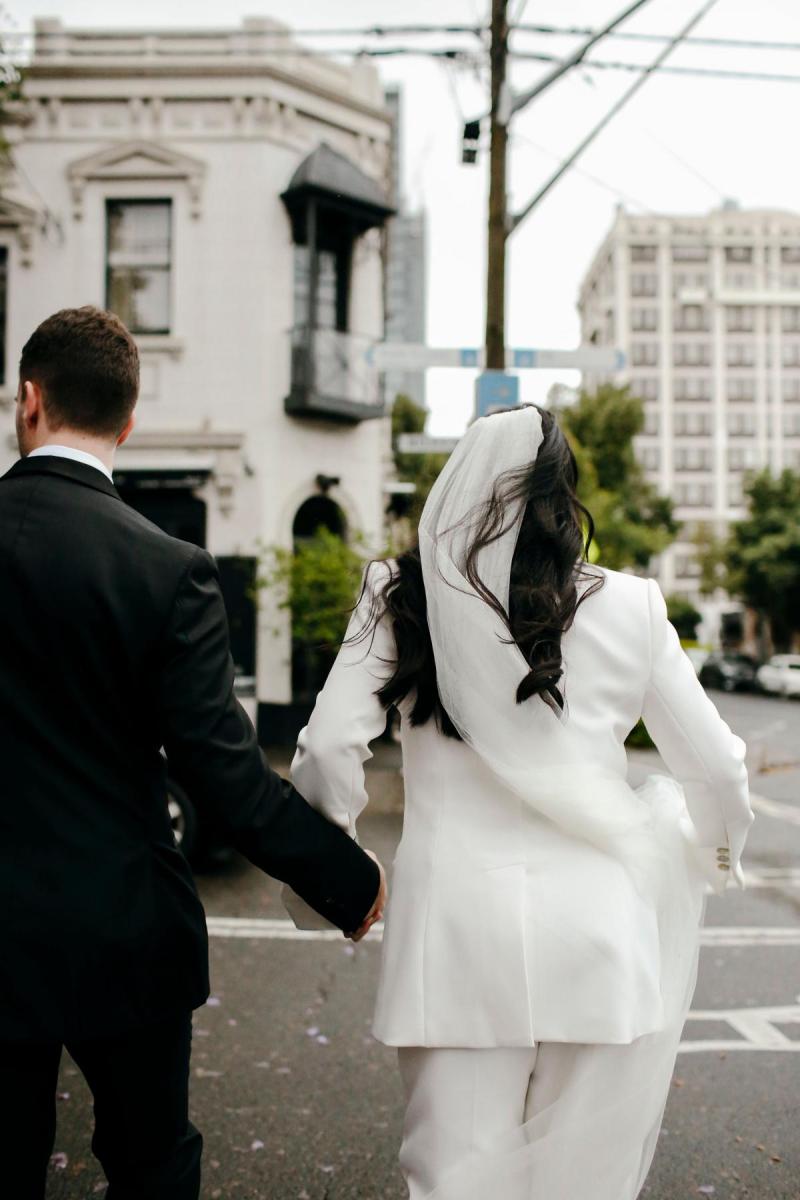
pixel 327 171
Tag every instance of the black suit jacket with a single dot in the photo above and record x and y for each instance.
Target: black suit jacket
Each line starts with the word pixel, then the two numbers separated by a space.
pixel 114 643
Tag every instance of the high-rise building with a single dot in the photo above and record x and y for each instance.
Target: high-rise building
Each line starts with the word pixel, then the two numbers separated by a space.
pixel 707 312
pixel 406 305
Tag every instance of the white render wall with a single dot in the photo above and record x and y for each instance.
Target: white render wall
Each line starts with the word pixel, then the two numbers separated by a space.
pixel 234 130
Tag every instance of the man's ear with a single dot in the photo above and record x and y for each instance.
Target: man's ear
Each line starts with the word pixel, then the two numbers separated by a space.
pixel 31 402
pixel 127 431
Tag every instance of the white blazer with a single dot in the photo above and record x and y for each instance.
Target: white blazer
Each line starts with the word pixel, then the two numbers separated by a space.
pixel 501 930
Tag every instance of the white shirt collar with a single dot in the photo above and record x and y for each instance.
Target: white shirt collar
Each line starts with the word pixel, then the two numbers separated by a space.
pixel 89 460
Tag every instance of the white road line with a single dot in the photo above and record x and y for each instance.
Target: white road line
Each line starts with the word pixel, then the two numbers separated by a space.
pixel 756 1027
pixel 776 809
pixel 264 928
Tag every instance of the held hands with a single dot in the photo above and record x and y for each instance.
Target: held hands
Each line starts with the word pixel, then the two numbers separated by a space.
pixel 376 912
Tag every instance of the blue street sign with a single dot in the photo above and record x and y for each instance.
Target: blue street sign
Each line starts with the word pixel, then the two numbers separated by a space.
pixel 495 389
pixel 523 358
pixel 468 358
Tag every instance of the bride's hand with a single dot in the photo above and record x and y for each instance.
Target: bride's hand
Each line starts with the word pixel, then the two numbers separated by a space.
pixel 376 912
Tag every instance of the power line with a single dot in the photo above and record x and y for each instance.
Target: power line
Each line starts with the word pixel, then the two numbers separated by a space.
pixel 644 75
pixel 603 183
pixel 630 35
pixel 710 72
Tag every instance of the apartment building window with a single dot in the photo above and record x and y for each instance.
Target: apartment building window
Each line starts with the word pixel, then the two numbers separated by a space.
pixel 3 308
pixel 741 389
pixel 740 318
pixel 739 254
pixel 695 423
pixel 643 253
pixel 693 495
pixel 645 389
pixel 791 424
pixel 691 354
pixel 650 424
pixel 742 458
pixel 735 490
pixel 650 457
pixel 790 318
pixel 692 458
pixel 644 283
pixel 740 354
pixel 644 319
pixel 139 263
pixel 791 390
pixel 790 254
pixel 690 279
pixel 690 253
pixel 692 389
pixel 790 354
pixel 690 318
pixel 644 354
pixel 741 424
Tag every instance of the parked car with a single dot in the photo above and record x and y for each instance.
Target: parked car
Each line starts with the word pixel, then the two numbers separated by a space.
pixel 781 675
pixel 697 657
pixel 729 672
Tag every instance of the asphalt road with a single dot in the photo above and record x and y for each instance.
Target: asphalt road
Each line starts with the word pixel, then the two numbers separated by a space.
pixel 297 1102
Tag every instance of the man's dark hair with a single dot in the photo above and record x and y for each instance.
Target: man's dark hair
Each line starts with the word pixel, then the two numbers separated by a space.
pixel 87 365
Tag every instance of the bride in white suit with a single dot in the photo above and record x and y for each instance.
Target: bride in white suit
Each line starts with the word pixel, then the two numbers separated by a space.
pixel 541 940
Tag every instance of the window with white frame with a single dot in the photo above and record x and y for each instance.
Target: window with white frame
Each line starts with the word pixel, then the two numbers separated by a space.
pixel 643 253
pixel 693 423
pixel 740 389
pixel 790 354
pixel 644 318
pixel 790 318
pixel 644 354
pixel 694 495
pixel 645 389
pixel 693 458
pixel 692 389
pixel 690 253
pixel 740 318
pixel 740 354
pixel 689 318
pixel 649 457
pixel 650 424
pixel 741 423
pixel 790 390
pixel 644 283
pixel 691 354
pixel 742 458
pixel 139 263
pixel 791 424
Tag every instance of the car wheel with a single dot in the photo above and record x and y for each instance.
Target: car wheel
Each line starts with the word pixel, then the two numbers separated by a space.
pixel 183 818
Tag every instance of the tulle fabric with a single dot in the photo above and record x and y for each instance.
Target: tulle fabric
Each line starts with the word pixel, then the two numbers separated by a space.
pixel 597 1139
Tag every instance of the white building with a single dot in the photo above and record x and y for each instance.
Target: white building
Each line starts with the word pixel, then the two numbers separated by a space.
pixel 179 178
pixel 707 312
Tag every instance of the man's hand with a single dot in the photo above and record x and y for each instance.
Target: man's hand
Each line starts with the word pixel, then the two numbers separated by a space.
pixel 376 912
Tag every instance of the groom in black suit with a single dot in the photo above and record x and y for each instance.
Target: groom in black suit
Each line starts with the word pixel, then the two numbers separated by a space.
pixel 114 643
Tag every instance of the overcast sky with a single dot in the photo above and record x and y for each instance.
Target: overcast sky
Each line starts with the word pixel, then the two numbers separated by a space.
pixel 682 145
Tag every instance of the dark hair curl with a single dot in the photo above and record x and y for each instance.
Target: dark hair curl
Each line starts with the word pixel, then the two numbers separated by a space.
pixel 548 564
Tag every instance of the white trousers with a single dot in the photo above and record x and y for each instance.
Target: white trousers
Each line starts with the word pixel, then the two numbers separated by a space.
pixel 461 1102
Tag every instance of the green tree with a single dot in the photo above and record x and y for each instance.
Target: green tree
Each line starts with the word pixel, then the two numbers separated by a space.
pixel 633 521
pixel 759 559
pixel 420 469
pixel 684 616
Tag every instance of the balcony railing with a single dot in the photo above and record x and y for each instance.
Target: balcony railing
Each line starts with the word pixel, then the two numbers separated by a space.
pixel 333 376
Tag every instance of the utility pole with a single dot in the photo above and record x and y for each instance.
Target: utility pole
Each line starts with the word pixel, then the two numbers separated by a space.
pixel 496 258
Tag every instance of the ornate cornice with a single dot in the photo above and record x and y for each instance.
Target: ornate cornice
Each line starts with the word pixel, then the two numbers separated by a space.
pixel 131 160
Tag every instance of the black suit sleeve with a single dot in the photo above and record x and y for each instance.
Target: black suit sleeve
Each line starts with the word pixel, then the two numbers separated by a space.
pixel 212 748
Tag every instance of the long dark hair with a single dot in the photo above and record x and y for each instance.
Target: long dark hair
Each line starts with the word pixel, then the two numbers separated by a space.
pixel 549 561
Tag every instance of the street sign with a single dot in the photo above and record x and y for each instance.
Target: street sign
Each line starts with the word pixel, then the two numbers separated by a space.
pixel 413 356
pixel 421 443
pixel 495 390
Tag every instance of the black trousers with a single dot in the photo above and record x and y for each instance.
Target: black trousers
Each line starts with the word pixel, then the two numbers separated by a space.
pixel 143 1138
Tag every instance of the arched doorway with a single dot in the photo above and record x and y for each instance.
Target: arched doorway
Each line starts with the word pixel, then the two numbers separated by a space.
pixel 311 664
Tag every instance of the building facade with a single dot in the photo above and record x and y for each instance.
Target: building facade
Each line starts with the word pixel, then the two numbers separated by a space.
pixel 225 194
pixel 406 271
pixel 707 312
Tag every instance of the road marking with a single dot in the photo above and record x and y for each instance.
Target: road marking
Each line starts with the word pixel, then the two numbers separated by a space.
pixel 756 1028
pixel 265 928
pixel 776 809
